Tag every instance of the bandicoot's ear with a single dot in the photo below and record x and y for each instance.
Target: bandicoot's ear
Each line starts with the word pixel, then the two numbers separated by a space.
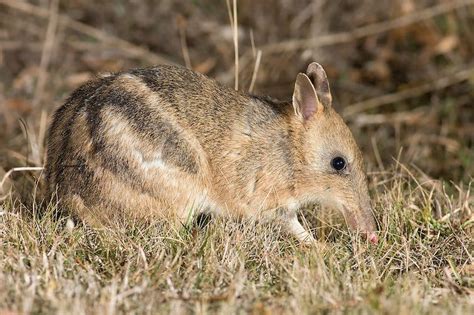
pixel 318 77
pixel 305 99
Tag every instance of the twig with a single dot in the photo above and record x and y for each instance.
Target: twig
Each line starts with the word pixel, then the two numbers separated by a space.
pixel 43 127
pixel 63 20
pixel 418 116
pixel 255 70
pixel 47 51
pixel 233 24
pixel 6 45
pixel 236 45
pixel 184 44
pixel 252 43
pixel 438 84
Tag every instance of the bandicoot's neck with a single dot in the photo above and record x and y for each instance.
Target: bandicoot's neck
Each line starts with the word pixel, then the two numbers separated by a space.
pixel 296 130
pixel 282 158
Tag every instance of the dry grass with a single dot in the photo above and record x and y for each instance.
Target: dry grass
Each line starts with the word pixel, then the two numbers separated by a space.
pixel 402 69
pixel 423 263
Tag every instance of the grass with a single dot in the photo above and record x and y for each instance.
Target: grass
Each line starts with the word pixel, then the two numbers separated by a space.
pixel 423 263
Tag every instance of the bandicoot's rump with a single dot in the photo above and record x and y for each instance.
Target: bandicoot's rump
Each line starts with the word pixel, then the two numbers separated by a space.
pixel 165 140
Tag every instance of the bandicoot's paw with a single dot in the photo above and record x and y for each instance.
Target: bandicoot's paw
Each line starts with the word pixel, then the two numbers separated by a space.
pixel 309 241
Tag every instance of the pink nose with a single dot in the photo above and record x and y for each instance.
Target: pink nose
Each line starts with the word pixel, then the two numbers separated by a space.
pixel 372 237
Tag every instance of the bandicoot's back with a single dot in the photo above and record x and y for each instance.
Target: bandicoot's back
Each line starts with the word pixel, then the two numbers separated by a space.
pixel 167 141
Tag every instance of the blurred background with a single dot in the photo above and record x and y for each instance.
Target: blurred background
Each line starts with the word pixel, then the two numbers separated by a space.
pixel 401 72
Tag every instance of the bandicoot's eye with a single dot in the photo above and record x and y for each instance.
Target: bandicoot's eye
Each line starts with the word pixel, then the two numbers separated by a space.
pixel 338 163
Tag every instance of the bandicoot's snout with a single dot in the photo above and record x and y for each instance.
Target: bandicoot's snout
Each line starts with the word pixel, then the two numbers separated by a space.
pixel 369 227
pixel 362 220
pixel 372 237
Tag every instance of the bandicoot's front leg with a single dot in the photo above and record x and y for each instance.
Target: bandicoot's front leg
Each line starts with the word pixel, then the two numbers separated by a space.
pixel 295 228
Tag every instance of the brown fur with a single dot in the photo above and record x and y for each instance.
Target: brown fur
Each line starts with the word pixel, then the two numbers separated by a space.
pixel 164 141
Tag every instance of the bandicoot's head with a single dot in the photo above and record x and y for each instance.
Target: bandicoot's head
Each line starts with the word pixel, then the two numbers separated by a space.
pixel 333 168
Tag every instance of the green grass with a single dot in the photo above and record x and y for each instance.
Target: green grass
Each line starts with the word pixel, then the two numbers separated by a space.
pixel 423 263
